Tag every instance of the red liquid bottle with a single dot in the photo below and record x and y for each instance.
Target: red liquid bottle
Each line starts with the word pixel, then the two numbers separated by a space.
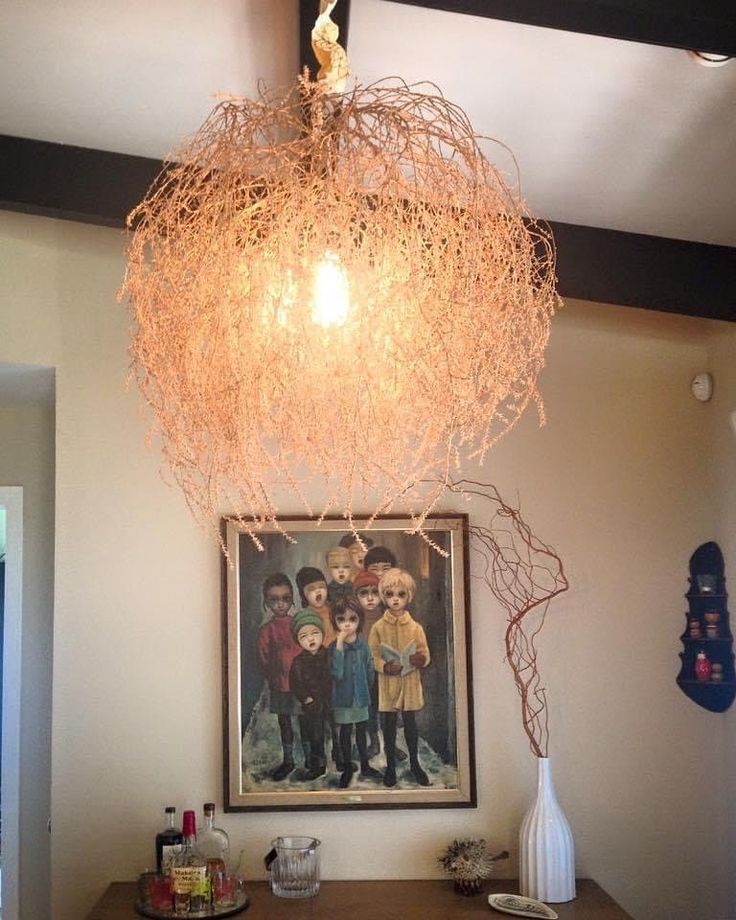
pixel 189 881
pixel 702 667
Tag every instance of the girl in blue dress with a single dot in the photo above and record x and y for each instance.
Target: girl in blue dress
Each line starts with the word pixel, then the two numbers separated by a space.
pixel 352 676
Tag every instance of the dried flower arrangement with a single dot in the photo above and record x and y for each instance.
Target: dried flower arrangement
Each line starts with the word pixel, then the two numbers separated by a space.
pixel 524 574
pixel 468 862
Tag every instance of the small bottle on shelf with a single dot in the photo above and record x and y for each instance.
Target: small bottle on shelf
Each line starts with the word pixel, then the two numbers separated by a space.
pixel 189 882
pixel 702 666
pixel 168 841
pixel 214 843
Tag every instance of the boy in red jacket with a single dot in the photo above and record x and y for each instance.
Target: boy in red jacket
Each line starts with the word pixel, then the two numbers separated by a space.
pixel 276 651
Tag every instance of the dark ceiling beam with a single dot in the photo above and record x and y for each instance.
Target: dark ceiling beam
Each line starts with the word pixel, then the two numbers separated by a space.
pixel 72 183
pixel 701 25
pixel 308 12
pixel 637 270
pixel 605 266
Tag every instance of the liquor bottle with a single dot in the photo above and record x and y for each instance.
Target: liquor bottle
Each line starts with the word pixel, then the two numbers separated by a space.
pixel 168 842
pixel 213 843
pixel 189 882
pixel 702 666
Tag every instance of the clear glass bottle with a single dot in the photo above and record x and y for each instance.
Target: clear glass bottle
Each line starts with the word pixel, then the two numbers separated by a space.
pixel 213 843
pixel 189 882
pixel 168 842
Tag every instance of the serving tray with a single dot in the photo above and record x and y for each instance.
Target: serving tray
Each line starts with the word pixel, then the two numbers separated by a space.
pixel 241 903
pixel 520 906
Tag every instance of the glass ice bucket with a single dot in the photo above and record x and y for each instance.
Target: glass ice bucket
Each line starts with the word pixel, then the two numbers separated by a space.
pixel 293 863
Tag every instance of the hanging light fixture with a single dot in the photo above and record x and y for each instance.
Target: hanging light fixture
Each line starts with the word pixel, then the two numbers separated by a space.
pixel 334 287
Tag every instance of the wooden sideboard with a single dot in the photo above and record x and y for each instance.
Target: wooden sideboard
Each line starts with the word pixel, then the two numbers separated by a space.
pixel 378 900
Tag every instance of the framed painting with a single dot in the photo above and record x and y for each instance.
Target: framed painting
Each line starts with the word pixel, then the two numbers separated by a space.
pixel 347 676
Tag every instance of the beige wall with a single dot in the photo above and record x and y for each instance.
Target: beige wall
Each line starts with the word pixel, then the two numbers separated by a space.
pixel 27 460
pixel 722 357
pixel 615 481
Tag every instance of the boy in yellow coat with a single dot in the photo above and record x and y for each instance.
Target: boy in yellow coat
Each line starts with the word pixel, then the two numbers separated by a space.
pixel 399 649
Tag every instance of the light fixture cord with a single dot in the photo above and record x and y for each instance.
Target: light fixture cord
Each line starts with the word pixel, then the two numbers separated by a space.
pixel 333 70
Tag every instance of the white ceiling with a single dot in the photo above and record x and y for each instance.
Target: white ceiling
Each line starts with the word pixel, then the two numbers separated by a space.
pixel 606 133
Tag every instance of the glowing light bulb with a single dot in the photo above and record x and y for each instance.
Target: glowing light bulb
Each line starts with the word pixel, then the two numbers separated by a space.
pixel 331 293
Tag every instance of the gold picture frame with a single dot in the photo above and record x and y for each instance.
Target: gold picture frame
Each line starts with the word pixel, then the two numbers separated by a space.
pixel 267 729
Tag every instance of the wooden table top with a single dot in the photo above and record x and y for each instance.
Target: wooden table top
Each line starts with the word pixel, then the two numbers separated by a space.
pixel 378 900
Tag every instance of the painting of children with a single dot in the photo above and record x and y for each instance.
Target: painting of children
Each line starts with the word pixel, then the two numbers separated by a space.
pixel 347 686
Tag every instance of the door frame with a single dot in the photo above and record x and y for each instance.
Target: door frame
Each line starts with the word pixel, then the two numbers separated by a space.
pixel 11 499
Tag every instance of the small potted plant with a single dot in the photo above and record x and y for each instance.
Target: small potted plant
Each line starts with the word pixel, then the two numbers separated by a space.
pixel 468 863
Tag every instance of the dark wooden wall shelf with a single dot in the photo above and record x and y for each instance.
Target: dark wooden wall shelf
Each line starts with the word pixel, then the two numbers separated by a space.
pixel 708 613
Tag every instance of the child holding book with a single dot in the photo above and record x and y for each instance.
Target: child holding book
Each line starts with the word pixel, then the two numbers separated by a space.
pixel 399 649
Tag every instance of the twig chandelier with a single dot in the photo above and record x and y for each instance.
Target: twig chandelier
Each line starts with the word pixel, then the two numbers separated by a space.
pixel 334 287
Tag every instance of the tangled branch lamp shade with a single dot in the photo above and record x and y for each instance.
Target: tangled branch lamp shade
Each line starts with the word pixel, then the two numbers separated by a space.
pixel 334 288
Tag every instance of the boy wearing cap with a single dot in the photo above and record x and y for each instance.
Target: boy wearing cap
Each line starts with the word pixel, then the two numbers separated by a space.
pixel 365 588
pixel 312 586
pixel 310 680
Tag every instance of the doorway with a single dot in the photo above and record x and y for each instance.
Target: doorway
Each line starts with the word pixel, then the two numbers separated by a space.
pixel 3 516
pixel 11 509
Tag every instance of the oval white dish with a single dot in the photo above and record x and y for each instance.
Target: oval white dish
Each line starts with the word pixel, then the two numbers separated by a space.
pixel 520 906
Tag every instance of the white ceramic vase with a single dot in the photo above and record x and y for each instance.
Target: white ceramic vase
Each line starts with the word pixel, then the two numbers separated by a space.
pixel 546 850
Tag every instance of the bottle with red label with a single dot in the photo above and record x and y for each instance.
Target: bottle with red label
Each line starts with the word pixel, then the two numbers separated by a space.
pixel 189 882
pixel 703 667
